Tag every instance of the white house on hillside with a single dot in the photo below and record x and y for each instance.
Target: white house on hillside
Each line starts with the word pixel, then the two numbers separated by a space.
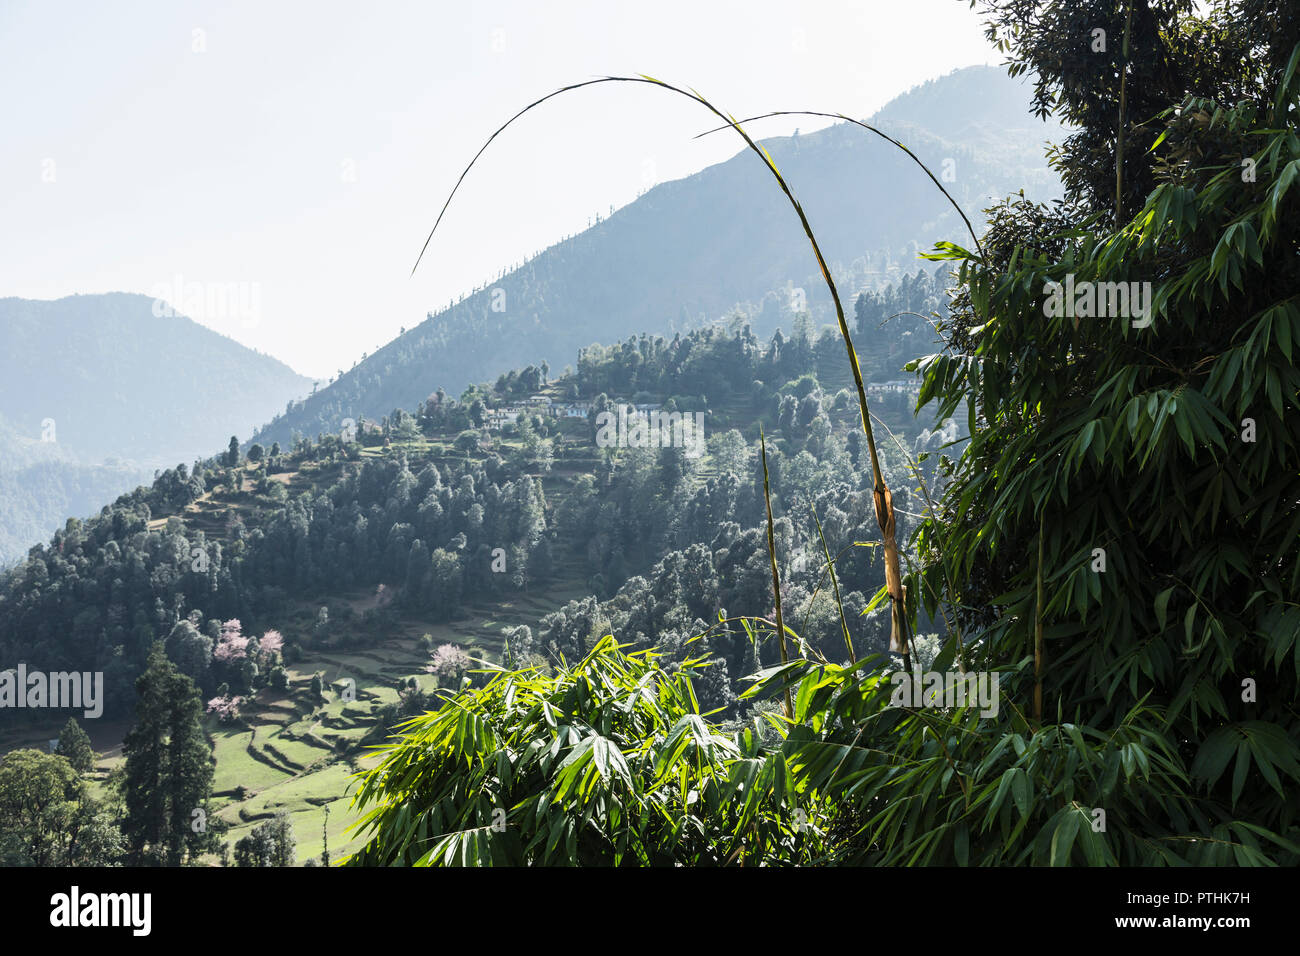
pixel 570 409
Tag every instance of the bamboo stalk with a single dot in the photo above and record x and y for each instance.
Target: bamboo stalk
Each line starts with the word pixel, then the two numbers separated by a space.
pixel 776 577
pixel 885 136
pixel 1119 134
pixel 839 604
pixel 1038 627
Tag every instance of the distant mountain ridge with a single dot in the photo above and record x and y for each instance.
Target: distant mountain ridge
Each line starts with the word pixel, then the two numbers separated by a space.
pixel 691 250
pixel 41 485
pixel 96 392
pixel 116 381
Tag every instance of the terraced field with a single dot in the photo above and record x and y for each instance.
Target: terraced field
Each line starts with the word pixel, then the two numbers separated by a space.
pixel 291 752
pixel 296 754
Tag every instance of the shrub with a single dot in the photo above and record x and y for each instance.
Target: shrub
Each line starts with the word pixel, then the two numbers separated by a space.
pixel 580 768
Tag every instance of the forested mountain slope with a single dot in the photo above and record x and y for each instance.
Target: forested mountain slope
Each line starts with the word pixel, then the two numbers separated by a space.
pixel 427 505
pixel 693 249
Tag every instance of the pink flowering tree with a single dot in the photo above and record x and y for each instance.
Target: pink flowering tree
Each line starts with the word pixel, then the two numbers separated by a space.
pixel 231 645
pixel 449 664
pixel 226 708
pixel 272 643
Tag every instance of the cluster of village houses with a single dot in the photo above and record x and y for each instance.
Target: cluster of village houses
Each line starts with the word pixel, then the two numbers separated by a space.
pixel 541 405
pixel 899 387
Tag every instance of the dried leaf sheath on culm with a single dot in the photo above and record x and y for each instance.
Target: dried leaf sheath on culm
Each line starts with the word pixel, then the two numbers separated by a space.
pixel 898 630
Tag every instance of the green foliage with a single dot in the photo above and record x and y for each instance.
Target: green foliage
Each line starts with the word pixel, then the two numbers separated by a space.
pixel 278 679
pixel 467 441
pixel 1184 653
pixel 929 786
pixel 48 816
pixel 608 762
pixel 269 844
pixel 168 770
pixel 74 744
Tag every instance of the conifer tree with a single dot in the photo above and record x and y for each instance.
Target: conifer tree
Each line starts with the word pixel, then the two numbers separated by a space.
pixel 75 745
pixel 168 771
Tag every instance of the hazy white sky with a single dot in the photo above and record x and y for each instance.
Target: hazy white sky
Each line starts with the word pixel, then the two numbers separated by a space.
pixel 300 151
